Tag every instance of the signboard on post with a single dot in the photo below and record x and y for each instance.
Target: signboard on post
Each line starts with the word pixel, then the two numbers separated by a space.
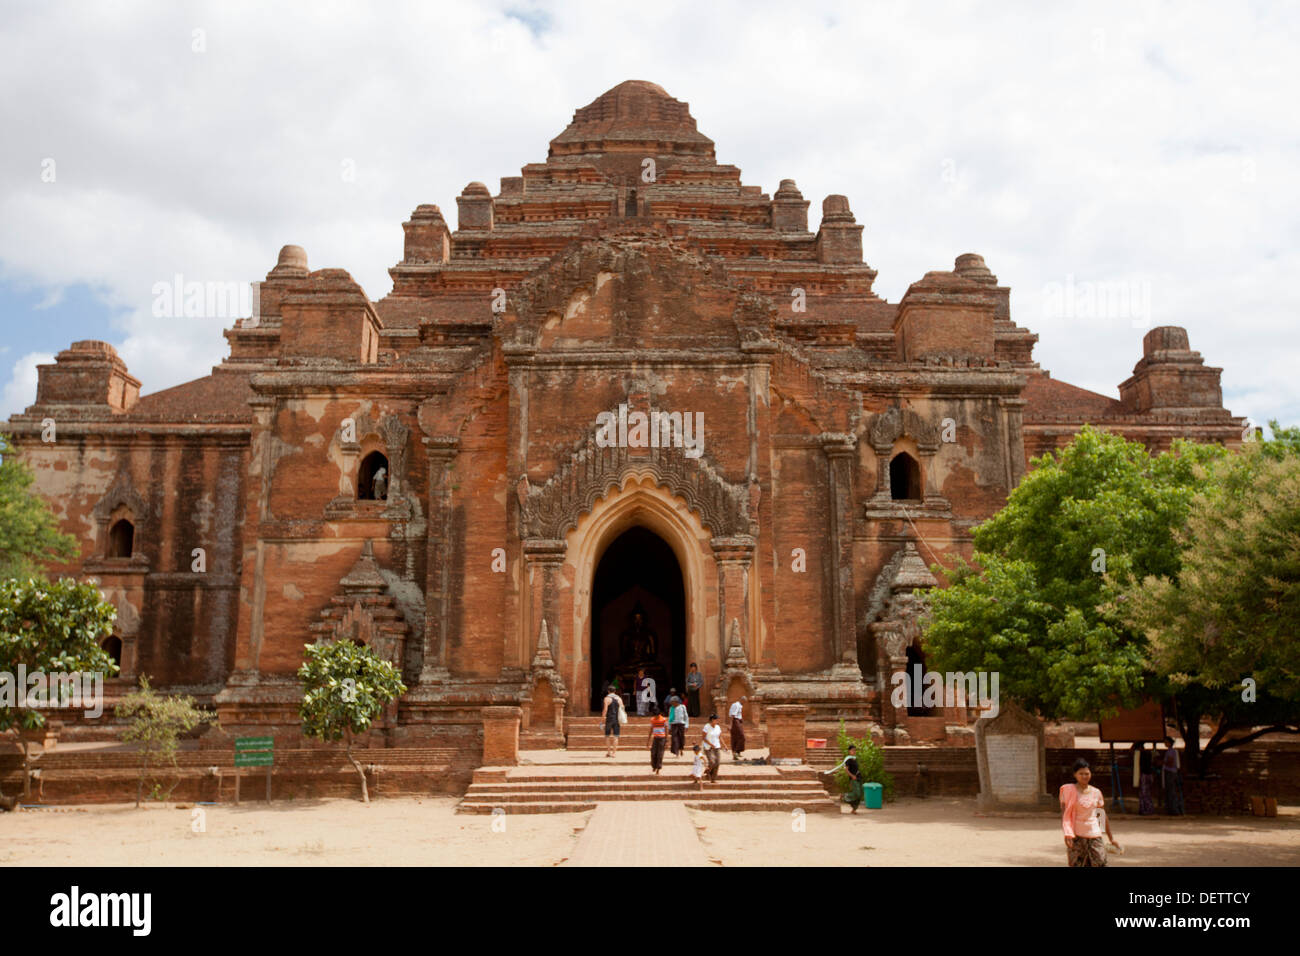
pixel 1144 724
pixel 254 752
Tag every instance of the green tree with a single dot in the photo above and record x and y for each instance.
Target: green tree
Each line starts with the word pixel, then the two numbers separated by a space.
pixel 345 687
pixel 156 724
pixel 29 533
pixel 1223 631
pixel 1084 523
pixel 47 628
pixel 1284 443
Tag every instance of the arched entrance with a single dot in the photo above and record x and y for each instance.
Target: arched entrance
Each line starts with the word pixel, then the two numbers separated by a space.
pixel 638 615
pixel 638 501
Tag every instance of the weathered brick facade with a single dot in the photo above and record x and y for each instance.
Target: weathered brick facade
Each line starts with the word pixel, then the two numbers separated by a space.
pixel 629 273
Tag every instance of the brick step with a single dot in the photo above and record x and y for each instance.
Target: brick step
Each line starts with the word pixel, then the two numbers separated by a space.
pixel 708 795
pixel 642 782
pixel 785 806
pixel 470 806
pixel 722 806
pixel 576 741
pixel 671 788
pixel 738 775
pixel 640 779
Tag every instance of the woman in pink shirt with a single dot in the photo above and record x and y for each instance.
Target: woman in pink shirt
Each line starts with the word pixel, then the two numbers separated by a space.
pixel 1080 806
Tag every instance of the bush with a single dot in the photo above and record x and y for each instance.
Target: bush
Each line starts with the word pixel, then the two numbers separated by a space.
pixel 871 763
pixel 156 724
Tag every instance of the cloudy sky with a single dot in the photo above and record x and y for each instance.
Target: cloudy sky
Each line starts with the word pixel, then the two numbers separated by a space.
pixel 1119 166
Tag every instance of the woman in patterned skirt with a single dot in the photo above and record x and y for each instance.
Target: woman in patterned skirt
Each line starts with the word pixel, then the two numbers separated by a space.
pixel 1080 802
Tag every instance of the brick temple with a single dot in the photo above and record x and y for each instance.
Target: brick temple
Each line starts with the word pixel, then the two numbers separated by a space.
pixel 629 414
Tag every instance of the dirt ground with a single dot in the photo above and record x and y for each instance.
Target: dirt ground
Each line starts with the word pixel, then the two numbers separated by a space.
pixel 427 832
pixel 949 832
pixel 389 832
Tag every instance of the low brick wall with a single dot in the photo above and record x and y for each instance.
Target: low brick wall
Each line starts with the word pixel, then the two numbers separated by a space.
pixel 1233 779
pixel 110 777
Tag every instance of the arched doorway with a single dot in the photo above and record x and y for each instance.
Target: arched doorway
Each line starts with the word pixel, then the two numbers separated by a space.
pixel 916 671
pixel 638 614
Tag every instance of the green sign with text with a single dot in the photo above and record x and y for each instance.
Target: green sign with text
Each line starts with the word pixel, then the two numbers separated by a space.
pixel 254 751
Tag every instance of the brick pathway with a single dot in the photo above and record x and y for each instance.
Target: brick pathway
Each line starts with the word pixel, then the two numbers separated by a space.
pixel 639 833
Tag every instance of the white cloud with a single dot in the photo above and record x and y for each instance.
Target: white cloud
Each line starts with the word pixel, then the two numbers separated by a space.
pixel 20 391
pixel 1124 141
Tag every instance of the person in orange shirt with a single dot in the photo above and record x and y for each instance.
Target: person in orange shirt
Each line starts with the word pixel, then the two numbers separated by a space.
pixel 657 739
pixel 1080 805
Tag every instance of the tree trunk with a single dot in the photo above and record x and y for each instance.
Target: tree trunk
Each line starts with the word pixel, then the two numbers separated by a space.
pixel 27 768
pixel 365 792
pixel 1189 726
pixel 144 768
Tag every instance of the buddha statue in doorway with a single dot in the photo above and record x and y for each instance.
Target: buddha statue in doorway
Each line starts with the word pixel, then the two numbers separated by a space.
pixel 638 642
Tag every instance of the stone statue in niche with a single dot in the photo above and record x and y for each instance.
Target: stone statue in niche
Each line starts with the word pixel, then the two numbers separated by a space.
pixel 380 483
pixel 638 642
pixel 907 609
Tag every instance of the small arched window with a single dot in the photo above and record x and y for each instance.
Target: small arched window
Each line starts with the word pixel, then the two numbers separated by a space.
pixel 372 478
pixel 112 645
pixel 121 539
pixel 904 478
pixel 915 683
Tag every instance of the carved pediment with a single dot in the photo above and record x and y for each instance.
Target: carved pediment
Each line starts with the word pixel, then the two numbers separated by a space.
pixel 364 610
pixel 122 493
pixel 896 422
pixel 390 430
pixel 550 510
pixel 629 292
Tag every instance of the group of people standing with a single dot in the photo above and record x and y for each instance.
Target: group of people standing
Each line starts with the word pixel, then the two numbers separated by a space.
pixel 1162 772
pixel 670 723
pixel 644 692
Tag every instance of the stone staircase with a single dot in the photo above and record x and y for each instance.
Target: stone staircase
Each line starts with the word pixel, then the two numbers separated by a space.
pixel 569 786
pixel 587 733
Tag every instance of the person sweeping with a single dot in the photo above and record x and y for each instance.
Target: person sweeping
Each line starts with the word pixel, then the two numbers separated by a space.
pixel 850 764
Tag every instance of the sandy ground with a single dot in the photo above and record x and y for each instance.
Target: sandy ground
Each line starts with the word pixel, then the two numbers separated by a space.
pixel 949 832
pixel 389 832
pixel 427 832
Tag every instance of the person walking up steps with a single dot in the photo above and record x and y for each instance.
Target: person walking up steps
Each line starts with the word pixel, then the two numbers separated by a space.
pixel 645 693
pixel 611 716
pixel 737 715
pixel 658 738
pixel 712 742
pixel 678 721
